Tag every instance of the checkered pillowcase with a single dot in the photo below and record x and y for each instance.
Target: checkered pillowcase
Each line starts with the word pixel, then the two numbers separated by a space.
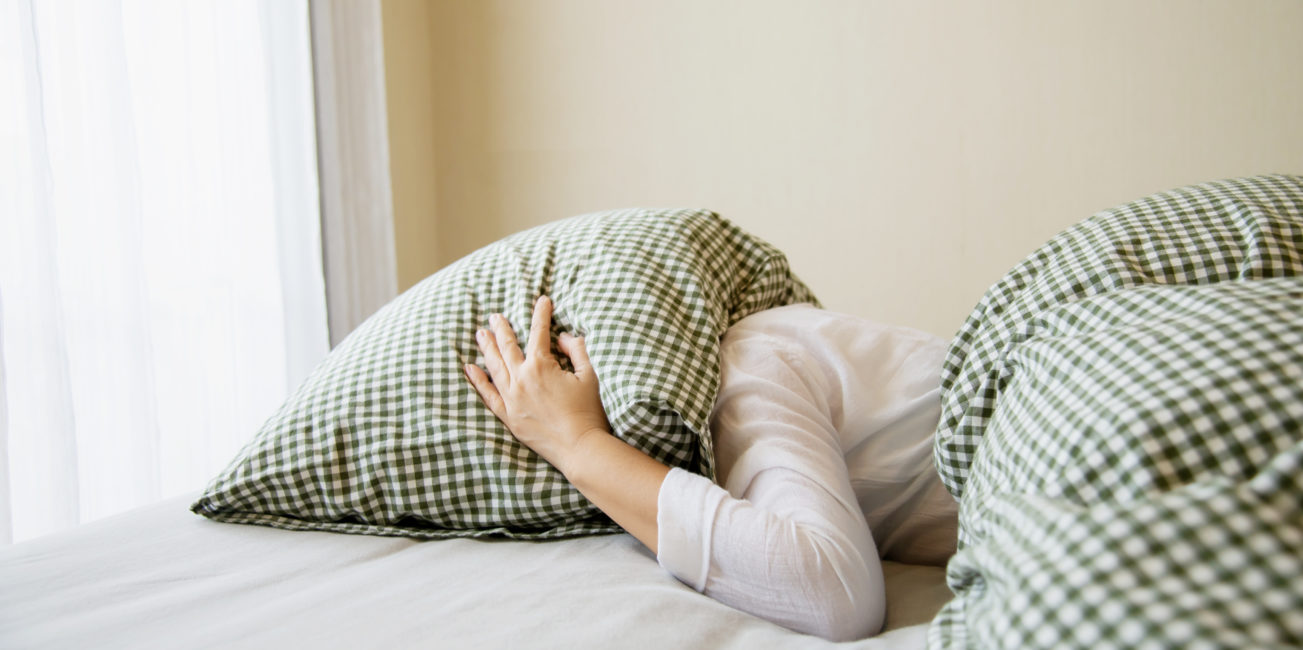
pixel 1124 425
pixel 387 437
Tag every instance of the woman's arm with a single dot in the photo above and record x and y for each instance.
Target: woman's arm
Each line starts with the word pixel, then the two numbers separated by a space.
pixel 791 546
pixel 559 415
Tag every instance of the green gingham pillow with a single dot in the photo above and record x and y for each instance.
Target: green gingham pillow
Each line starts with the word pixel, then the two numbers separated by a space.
pixel 1139 478
pixel 387 436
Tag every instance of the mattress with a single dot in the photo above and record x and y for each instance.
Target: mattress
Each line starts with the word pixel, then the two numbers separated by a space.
pixel 162 577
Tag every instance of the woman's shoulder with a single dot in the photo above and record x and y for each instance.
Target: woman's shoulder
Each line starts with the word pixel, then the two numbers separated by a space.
pixel 826 333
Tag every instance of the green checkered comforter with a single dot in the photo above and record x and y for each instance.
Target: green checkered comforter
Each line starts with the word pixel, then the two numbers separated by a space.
pixel 1123 425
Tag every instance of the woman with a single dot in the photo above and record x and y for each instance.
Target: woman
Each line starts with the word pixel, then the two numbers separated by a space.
pixel 803 393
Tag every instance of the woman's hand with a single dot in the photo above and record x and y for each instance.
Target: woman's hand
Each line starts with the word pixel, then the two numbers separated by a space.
pixel 559 415
pixel 548 409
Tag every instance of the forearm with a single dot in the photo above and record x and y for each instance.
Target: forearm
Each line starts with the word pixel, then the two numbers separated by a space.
pixel 619 479
pixel 795 555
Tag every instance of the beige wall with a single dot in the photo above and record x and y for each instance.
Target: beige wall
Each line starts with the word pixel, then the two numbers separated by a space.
pixel 410 92
pixel 904 153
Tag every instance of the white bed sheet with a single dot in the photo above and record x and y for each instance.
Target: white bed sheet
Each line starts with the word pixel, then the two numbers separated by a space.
pixel 163 577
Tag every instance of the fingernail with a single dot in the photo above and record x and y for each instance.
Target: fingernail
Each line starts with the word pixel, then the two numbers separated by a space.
pixel 540 300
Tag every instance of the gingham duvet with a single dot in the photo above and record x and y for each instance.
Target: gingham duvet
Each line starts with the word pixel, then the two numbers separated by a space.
pixel 1123 425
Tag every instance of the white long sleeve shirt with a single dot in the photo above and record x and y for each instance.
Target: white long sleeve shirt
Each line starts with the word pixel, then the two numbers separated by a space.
pixel 823 433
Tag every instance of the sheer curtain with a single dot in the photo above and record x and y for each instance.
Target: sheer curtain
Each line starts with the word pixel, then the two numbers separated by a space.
pixel 160 256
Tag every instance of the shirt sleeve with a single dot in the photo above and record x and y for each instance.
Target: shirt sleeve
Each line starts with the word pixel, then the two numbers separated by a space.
pixel 783 538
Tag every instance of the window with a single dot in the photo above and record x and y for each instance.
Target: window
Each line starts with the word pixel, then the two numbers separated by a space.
pixel 161 284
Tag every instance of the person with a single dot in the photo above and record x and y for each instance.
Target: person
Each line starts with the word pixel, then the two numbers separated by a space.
pixel 807 397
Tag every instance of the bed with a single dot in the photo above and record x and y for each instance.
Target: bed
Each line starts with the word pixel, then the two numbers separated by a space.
pixel 162 577
pixel 1121 425
pixel 384 506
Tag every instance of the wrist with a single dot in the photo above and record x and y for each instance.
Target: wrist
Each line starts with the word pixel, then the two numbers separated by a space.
pixel 584 449
pixel 579 450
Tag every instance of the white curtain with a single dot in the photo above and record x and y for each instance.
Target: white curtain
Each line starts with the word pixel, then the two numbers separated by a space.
pixel 160 256
pixel 357 222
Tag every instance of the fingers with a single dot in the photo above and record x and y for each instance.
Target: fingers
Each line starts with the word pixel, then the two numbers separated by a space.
pixel 493 360
pixel 575 348
pixel 540 330
pixel 488 392
pixel 503 357
pixel 508 346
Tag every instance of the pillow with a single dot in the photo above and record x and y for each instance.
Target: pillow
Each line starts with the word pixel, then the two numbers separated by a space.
pixel 387 437
pixel 1121 421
